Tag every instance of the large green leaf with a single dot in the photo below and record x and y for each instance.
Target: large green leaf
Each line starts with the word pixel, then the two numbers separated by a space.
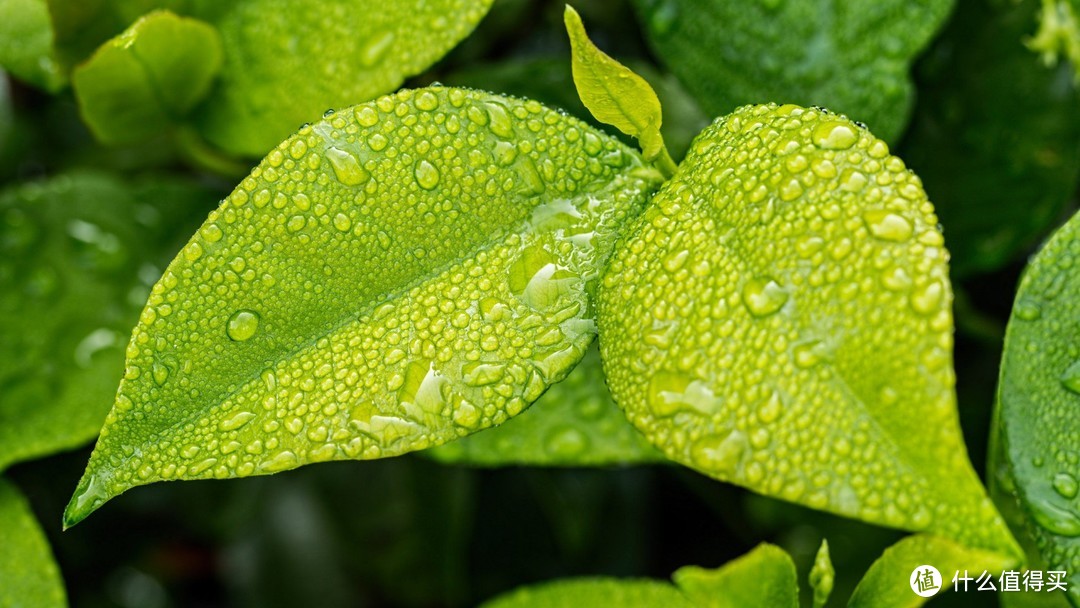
pixel 994 137
pixel 887 584
pixel 148 77
pixel 575 423
pixel 286 61
pixel 28 575
pixel 399 274
pixel 77 258
pixel 850 56
pixel 779 317
pixel 26 43
pixel 1038 401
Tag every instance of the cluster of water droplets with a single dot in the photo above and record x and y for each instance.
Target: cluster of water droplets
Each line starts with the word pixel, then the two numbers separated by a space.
pixel 780 317
pixel 394 276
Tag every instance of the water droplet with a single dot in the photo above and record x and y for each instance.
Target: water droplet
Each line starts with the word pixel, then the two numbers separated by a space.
pixel 1066 485
pixel 1070 379
pixel 236 421
pixel 342 222
pixel 887 226
pixel 160 372
pixel 427 101
pixel 427 176
pixel 926 300
pixel 834 135
pixel 242 325
pixel 719 453
pixel 1056 519
pixel 763 296
pixel 280 462
pixel 347 168
pixel 376 48
pixel 499 120
pixel 809 354
pixel 211 232
pixel 482 374
pixel 366 116
pixel 1028 310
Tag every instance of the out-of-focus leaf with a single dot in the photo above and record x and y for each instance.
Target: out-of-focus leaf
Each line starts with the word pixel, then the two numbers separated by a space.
pixel 887 584
pixel 575 423
pixel 763 578
pixel 576 593
pixel 28 574
pixel 995 136
pixel 148 77
pixel 77 258
pixel 794 335
pixel 822 575
pixel 851 57
pixel 546 79
pixel 26 43
pixel 397 275
pixel 1058 35
pixel 1039 401
pixel 286 61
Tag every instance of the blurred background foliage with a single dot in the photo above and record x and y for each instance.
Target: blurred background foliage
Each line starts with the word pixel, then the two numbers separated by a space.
pixel 994 133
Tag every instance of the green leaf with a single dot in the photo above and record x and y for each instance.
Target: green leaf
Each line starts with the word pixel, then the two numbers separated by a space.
pixel 822 575
pixel 397 275
pixel 77 257
pixel 575 423
pixel 148 77
pixel 764 577
pixel 614 94
pixel 28 573
pixel 593 592
pixel 1059 33
pixel 26 43
pixel 793 289
pixel 853 58
pixel 1038 399
pixel 887 584
pixel 994 137
pixel 286 61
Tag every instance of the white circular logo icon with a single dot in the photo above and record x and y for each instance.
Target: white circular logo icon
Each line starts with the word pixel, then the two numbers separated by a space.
pixel 925 581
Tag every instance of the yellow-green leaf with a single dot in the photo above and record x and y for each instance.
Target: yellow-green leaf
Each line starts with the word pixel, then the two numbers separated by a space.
pixel 614 94
pixel 575 593
pixel 575 423
pixel 28 573
pixel 780 318
pixel 399 274
pixel 1039 402
pixel 887 584
pixel 763 578
pixel 1058 34
pixel 822 575
pixel 148 77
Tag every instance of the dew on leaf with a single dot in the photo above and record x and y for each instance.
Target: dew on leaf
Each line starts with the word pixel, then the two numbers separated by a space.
pixel 242 325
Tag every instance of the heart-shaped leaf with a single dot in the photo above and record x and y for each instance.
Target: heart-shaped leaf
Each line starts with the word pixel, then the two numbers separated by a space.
pixel 851 57
pixel 397 275
pixel 779 317
pixel 78 254
pixel 575 423
pixel 1038 410
pixel 148 77
pixel 28 573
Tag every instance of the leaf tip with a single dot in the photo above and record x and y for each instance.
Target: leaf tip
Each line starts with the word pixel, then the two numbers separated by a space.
pixel 89 495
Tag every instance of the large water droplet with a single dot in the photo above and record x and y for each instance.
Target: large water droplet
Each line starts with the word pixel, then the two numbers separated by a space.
pixel 763 296
pixel 1056 519
pixel 242 325
pixel 236 421
pixel 834 135
pixel 347 168
pixel 887 226
pixel 1070 379
pixel 427 176
pixel 1066 485
pixel 719 453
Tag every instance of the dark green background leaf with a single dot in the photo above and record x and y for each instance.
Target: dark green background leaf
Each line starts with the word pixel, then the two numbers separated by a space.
pixel 28 575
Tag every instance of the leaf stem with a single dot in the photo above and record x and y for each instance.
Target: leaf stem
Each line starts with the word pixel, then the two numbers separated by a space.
pixel 665 164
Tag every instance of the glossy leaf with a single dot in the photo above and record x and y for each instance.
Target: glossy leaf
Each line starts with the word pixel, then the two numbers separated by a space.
pixel 397 275
pixel 851 57
pixel 77 257
pixel 575 423
pixel 286 61
pixel 994 136
pixel 614 94
pixel 793 289
pixel 148 77
pixel 1038 400
pixel 822 575
pixel 763 578
pixel 28 573
pixel 887 584
pixel 593 592
pixel 27 43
